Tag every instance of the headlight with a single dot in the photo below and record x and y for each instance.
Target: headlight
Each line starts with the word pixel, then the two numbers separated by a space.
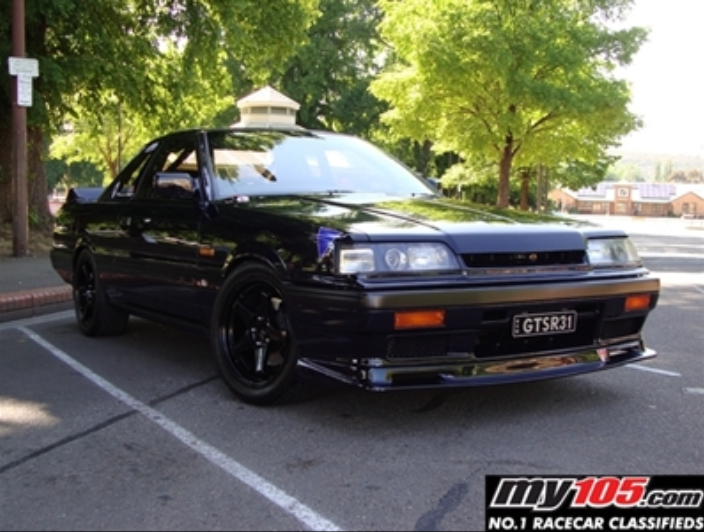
pixel 612 252
pixel 396 258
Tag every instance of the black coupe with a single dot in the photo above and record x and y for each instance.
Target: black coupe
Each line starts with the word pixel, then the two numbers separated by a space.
pixel 304 252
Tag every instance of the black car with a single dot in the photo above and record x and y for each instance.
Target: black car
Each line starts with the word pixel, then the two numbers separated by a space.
pixel 314 253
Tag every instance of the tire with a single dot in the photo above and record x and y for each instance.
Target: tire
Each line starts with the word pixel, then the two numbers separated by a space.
pixel 94 313
pixel 253 344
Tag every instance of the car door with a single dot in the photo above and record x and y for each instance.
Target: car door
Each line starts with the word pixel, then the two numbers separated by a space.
pixel 101 230
pixel 160 227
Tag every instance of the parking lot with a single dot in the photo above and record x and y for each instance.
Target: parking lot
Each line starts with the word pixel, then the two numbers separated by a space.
pixel 138 432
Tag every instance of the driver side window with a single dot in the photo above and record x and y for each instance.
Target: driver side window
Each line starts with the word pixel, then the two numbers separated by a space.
pixel 174 172
pixel 129 179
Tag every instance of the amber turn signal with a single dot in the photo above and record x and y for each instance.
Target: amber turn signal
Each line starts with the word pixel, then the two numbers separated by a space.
pixel 637 302
pixel 206 251
pixel 420 318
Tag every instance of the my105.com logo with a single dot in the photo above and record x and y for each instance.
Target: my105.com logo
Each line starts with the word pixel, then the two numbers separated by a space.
pixel 595 503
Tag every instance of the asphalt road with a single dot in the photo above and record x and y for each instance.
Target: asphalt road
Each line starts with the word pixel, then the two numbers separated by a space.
pixel 138 432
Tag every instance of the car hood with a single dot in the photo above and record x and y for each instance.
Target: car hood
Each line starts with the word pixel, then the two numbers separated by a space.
pixel 380 218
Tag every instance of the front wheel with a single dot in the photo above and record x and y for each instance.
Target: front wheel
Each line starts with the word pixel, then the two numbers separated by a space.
pixel 252 340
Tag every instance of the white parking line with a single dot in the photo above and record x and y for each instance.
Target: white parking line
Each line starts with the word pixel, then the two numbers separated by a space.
pixel 286 502
pixel 654 370
pixel 16 324
pixel 694 390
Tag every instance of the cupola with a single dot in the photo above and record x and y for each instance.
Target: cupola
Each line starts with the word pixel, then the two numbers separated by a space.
pixel 267 107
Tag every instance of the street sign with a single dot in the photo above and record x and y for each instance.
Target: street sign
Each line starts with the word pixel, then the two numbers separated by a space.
pixel 24 90
pixel 25 69
pixel 23 65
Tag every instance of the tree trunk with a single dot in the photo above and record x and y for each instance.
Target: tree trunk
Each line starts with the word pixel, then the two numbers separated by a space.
pixel 525 186
pixel 38 193
pixel 423 154
pixel 542 191
pixel 502 198
pixel 37 190
pixel 6 173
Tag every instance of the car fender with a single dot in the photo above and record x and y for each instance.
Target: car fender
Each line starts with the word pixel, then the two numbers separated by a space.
pixel 255 252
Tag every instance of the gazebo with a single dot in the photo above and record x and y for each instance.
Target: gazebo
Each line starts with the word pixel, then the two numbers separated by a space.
pixel 267 107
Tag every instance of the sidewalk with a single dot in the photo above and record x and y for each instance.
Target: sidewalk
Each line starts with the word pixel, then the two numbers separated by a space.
pixel 29 287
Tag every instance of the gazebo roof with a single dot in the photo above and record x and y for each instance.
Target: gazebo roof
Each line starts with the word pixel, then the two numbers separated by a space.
pixel 267 107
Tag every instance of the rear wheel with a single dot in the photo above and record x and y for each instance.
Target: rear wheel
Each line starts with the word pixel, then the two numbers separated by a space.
pixel 94 313
pixel 252 340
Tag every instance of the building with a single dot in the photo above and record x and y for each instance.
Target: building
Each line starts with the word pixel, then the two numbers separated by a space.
pixel 635 199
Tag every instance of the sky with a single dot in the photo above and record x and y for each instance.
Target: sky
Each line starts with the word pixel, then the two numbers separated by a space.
pixel 667 78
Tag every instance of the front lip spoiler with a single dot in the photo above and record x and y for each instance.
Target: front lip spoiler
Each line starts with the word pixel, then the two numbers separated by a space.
pixel 381 375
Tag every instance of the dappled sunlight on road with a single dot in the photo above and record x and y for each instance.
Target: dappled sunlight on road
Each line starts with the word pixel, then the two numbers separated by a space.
pixel 16 414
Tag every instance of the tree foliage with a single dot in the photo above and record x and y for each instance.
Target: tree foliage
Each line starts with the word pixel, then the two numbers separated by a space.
pixel 108 133
pixel 146 56
pixel 330 75
pixel 513 82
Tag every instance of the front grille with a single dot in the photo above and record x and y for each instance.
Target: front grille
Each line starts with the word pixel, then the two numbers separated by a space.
pixel 429 345
pixel 417 346
pixel 518 260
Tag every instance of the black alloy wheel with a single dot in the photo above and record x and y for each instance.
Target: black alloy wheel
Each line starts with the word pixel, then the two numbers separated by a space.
pixel 252 341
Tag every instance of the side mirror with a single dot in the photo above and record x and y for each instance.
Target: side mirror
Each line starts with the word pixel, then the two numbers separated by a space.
pixel 175 185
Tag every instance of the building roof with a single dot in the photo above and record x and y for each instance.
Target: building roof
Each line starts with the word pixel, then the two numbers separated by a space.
pixel 267 96
pixel 639 192
pixel 267 107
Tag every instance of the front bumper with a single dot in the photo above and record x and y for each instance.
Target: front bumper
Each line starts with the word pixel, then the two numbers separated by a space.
pixel 352 324
pixel 380 375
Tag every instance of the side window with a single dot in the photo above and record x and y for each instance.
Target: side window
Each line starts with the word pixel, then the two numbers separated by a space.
pixel 125 185
pixel 174 173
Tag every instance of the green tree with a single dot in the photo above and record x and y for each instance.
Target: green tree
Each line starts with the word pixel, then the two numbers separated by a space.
pixel 88 51
pixel 109 133
pixel 330 75
pixel 695 176
pixel 625 173
pixel 521 82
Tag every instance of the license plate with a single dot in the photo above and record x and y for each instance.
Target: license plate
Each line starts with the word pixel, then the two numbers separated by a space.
pixel 525 325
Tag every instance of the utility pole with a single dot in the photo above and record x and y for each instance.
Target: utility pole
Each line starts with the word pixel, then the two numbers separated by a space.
pixel 20 213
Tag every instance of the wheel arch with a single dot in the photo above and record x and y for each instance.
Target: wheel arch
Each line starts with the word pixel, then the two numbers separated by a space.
pixel 257 254
pixel 82 244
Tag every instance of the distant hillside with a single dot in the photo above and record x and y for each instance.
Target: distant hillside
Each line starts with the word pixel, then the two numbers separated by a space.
pixel 647 162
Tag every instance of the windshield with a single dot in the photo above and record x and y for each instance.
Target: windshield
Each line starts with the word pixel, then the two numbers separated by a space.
pixel 253 163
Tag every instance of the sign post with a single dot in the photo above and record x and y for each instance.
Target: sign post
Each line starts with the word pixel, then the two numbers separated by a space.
pixel 24 70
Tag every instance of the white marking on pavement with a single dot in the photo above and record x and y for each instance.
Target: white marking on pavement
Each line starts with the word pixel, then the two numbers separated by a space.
pixel 693 390
pixel 654 370
pixel 37 319
pixel 283 500
pixel 699 289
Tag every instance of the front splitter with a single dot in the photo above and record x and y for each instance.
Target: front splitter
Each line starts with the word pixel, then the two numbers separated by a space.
pixel 381 375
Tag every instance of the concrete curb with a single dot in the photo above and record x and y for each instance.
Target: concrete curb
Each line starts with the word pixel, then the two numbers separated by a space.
pixel 34 302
